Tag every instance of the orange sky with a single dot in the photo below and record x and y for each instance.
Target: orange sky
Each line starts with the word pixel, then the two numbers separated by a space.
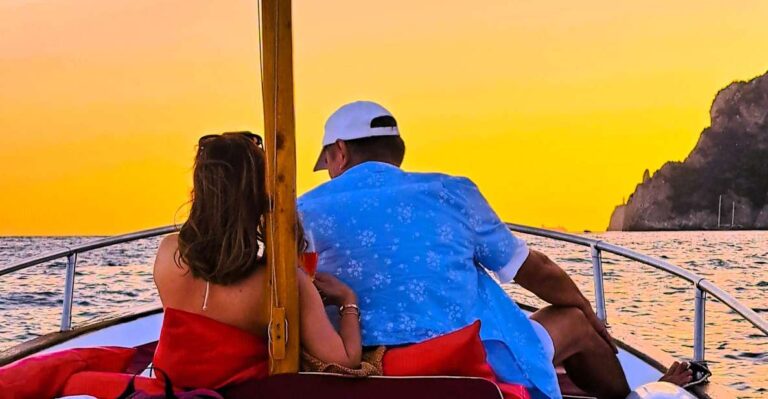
pixel 554 108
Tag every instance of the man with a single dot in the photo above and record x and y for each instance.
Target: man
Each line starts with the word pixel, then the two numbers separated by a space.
pixel 420 249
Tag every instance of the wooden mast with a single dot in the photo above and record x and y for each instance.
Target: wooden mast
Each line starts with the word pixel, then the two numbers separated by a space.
pixel 280 145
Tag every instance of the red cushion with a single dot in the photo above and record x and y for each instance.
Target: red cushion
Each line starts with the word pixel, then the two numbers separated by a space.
pixel 460 353
pixel 18 380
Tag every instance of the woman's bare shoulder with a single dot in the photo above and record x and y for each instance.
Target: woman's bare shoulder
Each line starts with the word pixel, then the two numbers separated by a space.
pixel 168 255
pixel 171 240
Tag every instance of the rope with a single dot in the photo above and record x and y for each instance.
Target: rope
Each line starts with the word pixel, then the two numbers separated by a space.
pixel 273 175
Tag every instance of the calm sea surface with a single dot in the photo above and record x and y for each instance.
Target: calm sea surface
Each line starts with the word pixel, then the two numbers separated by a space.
pixel 654 308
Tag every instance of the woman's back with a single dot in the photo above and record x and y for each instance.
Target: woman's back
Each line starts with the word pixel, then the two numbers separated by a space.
pixel 239 304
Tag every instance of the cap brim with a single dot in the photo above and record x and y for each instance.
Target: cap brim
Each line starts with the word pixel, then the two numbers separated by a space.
pixel 320 164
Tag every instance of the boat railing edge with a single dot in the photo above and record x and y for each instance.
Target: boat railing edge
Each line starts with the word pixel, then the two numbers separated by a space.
pixel 702 286
pixel 88 246
pixel 71 254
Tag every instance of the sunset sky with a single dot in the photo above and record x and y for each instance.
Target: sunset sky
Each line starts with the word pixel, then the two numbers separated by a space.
pixel 555 108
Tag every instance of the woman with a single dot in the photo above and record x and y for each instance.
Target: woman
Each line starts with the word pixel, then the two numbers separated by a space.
pixel 211 275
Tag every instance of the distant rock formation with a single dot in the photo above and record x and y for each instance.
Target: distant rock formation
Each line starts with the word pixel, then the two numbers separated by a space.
pixel 617 219
pixel 730 160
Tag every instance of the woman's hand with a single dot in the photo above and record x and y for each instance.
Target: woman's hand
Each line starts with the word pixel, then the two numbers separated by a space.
pixel 318 335
pixel 333 291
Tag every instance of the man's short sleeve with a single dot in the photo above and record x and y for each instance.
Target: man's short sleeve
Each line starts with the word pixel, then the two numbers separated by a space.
pixel 496 248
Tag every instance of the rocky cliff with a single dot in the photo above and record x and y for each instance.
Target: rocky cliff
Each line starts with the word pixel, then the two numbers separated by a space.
pixel 730 161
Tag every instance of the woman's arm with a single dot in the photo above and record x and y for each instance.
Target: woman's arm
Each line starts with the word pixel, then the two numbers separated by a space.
pixel 318 336
pixel 165 265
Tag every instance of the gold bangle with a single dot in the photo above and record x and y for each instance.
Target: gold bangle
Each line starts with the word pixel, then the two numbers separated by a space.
pixel 349 309
pixel 349 306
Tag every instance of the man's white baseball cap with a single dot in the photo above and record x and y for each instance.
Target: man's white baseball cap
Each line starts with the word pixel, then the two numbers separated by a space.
pixel 357 120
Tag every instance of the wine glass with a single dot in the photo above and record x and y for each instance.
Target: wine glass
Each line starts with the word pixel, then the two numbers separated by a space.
pixel 308 259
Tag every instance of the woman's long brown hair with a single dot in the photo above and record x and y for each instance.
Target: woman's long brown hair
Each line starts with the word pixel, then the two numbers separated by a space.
pixel 223 240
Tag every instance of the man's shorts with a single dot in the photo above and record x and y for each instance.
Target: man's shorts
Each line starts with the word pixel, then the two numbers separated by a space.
pixel 546 340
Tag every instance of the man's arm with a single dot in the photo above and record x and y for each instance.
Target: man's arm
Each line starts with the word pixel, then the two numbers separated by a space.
pixel 499 251
pixel 544 278
pixel 548 281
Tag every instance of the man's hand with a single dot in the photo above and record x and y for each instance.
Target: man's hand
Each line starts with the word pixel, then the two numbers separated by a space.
pixel 599 326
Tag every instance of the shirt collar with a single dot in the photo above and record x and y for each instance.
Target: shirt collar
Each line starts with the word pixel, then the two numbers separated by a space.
pixel 370 167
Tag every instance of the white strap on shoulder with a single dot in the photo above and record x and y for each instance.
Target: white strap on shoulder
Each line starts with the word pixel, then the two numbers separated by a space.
pixel 205 299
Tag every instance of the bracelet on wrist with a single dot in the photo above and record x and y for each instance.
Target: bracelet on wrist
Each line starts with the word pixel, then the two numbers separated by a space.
pixel 349 309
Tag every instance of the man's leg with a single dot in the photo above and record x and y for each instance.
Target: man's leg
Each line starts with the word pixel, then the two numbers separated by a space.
pixel 587 358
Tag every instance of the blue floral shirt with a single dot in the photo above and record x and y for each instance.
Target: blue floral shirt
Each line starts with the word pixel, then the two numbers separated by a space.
pixel 419 250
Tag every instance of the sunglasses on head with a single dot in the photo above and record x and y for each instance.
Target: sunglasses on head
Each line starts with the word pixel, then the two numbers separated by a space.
pixel 250 136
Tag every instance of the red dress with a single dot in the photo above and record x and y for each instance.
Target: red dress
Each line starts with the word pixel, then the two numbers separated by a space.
pixel 194 351
pixel 198 352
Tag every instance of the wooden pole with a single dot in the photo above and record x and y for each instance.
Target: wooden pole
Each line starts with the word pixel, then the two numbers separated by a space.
pixel 280 145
